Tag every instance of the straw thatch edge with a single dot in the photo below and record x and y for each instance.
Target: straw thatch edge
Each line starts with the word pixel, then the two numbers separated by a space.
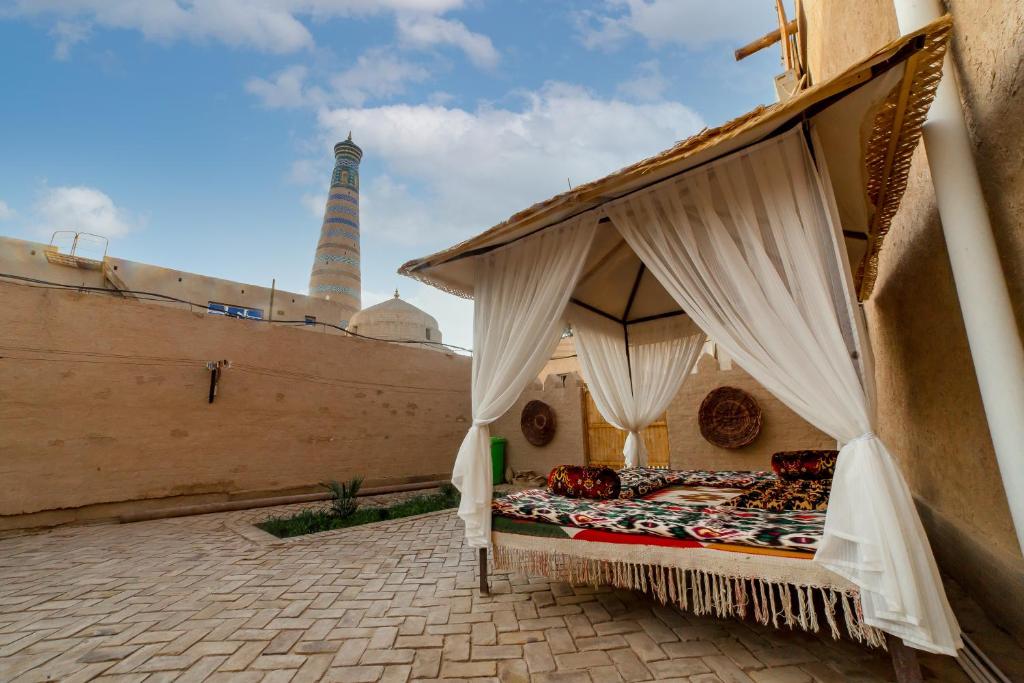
pixel 890 149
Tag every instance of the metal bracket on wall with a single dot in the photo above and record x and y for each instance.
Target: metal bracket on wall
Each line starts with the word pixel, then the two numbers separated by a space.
pixel 216 367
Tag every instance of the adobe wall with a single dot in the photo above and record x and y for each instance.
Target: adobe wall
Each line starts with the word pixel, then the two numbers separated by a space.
pixel 564 393
pixel 104 408
pixel 28 259
pixel 781 428
pixel 930 411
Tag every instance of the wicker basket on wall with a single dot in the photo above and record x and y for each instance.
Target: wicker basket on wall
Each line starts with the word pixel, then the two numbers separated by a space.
pixel 538 423
pixel 729 418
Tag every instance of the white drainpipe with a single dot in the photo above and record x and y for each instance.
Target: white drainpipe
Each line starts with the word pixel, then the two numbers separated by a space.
pixel 980 284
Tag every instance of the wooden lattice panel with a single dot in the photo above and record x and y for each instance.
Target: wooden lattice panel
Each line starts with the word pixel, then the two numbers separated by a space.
pixel 605 442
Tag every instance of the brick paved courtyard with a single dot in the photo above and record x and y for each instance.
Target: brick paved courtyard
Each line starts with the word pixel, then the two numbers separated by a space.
pixel 210 598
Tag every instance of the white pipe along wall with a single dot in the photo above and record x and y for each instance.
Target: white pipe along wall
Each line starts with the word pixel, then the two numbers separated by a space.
pixel 992 331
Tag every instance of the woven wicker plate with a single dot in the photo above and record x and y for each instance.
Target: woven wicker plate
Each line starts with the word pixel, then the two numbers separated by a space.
pixel 729 418
pixel 538 423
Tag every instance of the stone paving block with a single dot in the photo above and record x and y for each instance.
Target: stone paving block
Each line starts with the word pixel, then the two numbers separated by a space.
pixel 629 665
pixel 560 641
pixel 468 669
pixel 726 669
pixel 677 668
pixel 645 647
pixel 582 660
pixel 538 657
pixel 782 674
pixel 564 677
pixel 484 633
pixel 243 657
pixel 426 663
pixel 354 674
pixel 392 656
pixel 456 647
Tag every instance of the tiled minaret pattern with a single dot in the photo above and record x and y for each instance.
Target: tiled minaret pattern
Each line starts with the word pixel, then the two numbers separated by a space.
pixel 335 273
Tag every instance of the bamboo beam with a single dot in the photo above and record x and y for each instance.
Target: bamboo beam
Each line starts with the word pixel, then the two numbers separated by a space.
pixel 764 41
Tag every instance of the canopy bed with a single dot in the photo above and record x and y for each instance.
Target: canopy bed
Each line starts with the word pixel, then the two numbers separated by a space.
pixel 762 234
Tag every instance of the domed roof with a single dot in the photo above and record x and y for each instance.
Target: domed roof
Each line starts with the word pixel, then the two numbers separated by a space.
pixel 347 148
pixel 394 310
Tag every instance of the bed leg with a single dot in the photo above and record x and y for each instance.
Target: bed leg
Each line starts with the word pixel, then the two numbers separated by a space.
pixel 904 660
pixel 484 587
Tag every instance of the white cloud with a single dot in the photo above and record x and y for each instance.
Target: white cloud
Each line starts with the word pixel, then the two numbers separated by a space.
pixel 82 209
pixel 314 203
pixel 6 212
pixel 377 74
pixel 267 25
pixel 308 171
pixel 67 34
pixel 263 25
pixel 449 172
pixel 648 85
pixel 693 24
pixel 285 89
pixel 426 31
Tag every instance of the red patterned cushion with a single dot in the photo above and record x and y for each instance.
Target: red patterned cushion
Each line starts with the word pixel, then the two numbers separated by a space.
pixel 796 465
pixel 575 481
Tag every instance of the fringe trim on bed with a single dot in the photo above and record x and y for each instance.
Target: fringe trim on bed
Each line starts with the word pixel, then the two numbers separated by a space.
pixel 705 593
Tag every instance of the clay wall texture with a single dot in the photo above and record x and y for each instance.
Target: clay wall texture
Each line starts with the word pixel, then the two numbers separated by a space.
pixel 930 411
pixel 28 259
pixel 564 393
pixel 782 428
pixel 104 408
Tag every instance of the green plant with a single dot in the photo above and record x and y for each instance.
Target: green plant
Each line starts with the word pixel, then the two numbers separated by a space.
pixel 343 496
pixel 448 490
pixel 312 521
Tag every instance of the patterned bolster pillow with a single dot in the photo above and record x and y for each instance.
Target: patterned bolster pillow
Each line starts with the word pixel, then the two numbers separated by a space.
pixel 797 465
pixel 574 481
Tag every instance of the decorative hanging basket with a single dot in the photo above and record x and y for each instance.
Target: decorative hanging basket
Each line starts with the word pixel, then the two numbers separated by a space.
pixel 538 423
pixel 729 418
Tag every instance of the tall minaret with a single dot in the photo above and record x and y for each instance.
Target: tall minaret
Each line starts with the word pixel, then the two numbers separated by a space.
pixel 335 273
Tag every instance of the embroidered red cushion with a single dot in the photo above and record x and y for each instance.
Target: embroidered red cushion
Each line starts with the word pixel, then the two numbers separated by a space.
pixel 576 481
pixel 796 465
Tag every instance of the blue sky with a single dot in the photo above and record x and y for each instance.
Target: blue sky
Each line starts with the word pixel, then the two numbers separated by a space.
pixel 197 134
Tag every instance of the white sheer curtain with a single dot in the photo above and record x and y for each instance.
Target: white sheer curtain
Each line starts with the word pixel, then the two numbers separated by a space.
pixel 632 392
pixel 519 300
pixel 745 246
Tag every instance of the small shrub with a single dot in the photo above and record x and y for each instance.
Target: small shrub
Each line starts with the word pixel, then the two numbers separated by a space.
pixel 343 496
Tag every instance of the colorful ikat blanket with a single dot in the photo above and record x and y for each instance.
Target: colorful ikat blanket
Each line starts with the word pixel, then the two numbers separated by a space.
pixel 797 530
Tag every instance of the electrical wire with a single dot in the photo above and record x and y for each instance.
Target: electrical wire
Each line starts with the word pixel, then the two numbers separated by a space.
pixel 156 296
pixel 120 359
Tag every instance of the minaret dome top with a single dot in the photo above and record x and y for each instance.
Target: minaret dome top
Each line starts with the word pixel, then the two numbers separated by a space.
pixel 347 148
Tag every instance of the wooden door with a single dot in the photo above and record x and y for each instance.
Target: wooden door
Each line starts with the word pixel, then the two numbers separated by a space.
pixel 605 442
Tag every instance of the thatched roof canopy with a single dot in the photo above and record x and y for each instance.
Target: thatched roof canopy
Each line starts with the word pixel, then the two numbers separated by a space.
pixel 868 120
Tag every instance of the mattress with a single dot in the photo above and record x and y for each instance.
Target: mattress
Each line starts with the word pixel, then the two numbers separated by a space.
pixel 688 514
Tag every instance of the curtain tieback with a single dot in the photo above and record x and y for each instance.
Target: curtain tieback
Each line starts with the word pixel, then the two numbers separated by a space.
pixel 866 436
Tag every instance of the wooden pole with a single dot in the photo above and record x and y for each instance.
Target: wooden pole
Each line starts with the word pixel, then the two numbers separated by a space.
pixel 273 288
pixel 784 35
pixel 764 41
pixel 485 589
pixel 904 660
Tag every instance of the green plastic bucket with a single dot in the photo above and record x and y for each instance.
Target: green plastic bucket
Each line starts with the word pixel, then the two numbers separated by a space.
pixel 498 458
